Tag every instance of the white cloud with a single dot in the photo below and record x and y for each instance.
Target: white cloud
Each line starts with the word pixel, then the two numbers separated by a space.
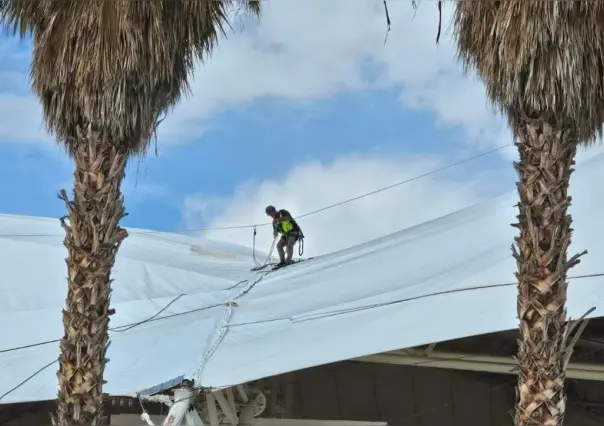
pixel 305 51
pixel 21 120
pixel 314 185
pixel 20 111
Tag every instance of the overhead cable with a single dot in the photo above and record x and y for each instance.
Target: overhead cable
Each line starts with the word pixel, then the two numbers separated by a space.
pixel 322 209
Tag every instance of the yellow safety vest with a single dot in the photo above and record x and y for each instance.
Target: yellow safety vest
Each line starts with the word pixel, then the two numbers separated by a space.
pixel 286 226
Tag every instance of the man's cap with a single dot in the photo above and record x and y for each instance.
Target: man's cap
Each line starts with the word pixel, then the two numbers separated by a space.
pixel 270 209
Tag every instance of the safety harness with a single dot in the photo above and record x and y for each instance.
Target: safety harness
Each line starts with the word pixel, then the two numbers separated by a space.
pixel 286 227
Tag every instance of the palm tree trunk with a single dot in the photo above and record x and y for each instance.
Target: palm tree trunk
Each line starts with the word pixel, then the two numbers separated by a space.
pixel 92 238
pixel 546 159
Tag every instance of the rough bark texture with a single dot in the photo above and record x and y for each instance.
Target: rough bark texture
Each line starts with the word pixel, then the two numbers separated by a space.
pixel 92 238
pixel 546 160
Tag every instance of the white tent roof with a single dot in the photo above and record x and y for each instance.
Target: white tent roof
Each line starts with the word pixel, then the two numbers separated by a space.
pixel 445 279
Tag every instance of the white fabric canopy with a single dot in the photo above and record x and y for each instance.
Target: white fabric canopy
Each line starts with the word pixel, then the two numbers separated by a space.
pixel 225 325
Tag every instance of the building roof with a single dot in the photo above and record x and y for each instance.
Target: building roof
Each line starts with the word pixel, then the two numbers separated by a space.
pixel 217 321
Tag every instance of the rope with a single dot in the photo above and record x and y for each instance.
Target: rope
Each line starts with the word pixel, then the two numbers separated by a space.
pixel 254 226
pixel 254 249
pixel 8 392
pixel 332 313
pixel 386 188
pixel 303 317
pixel 270 253
pixel 268 257
pixel 223 328
pixel 122 329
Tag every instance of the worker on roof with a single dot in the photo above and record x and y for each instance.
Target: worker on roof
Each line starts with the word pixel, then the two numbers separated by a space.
pixel 290 231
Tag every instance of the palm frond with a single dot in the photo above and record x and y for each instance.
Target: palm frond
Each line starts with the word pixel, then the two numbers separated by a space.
pixel 439 5
pixel 538 58
pixel 18 16
pixel 115 63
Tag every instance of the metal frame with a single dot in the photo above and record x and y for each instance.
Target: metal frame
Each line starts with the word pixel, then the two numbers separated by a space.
pixel 236 406
pixel 473 362
pixel 233 406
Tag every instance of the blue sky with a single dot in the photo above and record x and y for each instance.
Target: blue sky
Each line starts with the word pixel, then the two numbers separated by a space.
pixel 274 102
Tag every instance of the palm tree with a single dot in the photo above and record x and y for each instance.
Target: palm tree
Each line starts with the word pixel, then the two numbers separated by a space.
pixel 542 63
pixel 105 72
